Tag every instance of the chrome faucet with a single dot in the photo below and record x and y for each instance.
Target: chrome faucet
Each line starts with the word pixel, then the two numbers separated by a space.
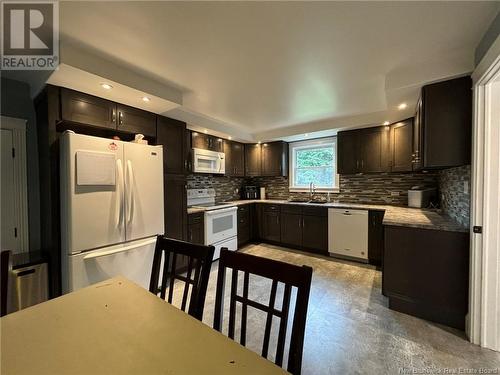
pixel 312 190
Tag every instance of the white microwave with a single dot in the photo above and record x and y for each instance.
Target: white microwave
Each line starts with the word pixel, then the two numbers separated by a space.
pixel 206 161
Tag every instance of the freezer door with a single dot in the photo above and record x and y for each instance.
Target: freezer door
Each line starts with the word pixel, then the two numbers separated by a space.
pixel 132 260
pixel 143 190
pixel 92 192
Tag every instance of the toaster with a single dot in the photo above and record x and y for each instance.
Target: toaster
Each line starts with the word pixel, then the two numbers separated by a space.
pixel 420 197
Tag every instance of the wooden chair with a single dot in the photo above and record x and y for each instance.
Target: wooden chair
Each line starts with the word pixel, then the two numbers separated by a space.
pixel 198 272
pixel 5 268
pixel 288 274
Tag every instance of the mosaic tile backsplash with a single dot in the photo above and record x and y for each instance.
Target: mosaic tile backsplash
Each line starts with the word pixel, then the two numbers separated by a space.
pixel 454 200
pixel 382 188
pixel 226 188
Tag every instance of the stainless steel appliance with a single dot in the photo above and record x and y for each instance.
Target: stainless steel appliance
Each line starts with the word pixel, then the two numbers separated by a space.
pixel 29 286
pixel 250 192
pixel 220 219
pixel 420 198
pixel 206 161
pixel 348 233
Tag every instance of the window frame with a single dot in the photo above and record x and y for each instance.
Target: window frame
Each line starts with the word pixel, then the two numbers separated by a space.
pixel 311 143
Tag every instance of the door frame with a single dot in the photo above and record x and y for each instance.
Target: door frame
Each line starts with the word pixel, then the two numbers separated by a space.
pixel 483 325
pixel 18 128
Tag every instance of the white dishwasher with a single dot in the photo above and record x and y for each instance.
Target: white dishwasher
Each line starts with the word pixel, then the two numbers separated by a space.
pixel 348 233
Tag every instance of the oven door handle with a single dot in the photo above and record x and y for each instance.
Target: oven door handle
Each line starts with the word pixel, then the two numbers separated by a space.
pixel 220 211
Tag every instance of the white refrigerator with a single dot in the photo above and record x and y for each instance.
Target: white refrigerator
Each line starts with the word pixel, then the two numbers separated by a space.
pixel 111 209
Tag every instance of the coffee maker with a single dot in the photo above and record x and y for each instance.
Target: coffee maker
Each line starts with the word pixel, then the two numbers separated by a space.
pixel 250 192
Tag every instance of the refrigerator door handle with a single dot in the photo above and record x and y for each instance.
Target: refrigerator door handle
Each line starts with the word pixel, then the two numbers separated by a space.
pixel 119 193
pixel 120 250
pixel 130 190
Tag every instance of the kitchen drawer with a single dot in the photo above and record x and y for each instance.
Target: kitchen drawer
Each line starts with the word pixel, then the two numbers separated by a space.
pixel 271 208
pixel 195 218
pixel 291 209
pixel 243 208
pixel 315 211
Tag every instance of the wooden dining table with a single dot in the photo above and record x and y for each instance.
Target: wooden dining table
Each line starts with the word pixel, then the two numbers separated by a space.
pixel 117 327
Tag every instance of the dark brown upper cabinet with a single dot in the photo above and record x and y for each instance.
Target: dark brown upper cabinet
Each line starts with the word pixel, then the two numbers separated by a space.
pixel 171 134
pixel 207 142
pixel 274 159
pixel 97 112
pixel 444 125
pixel 133 120
pixel 347 158
pixel 253 165
pixel 235 158
pixel 87 109
pixel 268 159
pixel 418 149
pixel 363 150
pixel 401 146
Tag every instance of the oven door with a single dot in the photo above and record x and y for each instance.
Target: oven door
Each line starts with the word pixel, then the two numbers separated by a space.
pixel 220 224
pixel 206 161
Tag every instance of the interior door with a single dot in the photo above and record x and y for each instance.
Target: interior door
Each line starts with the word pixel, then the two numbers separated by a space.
pixel 91 192
pixel 143 190
pixel 9 236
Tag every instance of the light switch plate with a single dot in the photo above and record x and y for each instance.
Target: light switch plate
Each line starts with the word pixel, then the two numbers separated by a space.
pixel 466 187
pixel 394 193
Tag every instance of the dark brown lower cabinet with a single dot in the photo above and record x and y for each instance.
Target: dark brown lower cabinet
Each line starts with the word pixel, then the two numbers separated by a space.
pixel 270 228
pixel 196 230
pixel 244 224
pixel 375 237
pixel 315 233
pixel 305 228
pixel 291 229
pixel 426 273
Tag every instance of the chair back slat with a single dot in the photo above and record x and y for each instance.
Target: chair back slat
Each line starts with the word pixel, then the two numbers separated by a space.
pixel 283 323
pixel 232 303
pixel 199 260
pixel 165 273
pixel 172 277
pixel 291 276
pixel 243 329
pixel 187 284
pixel 269 319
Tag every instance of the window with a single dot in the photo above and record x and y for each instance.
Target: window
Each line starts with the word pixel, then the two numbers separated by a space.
pixel 314 161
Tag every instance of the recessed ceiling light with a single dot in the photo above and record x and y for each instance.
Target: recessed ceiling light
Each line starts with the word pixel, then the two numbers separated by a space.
pixel 258 142
pixel 402 106
pixel 106 86
pixel 205 131
pixel 229 137
pixel 145 99
pixel 306 135
pixel 386 122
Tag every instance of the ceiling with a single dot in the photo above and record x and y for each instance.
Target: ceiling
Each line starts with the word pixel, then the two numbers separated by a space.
pixel 268 70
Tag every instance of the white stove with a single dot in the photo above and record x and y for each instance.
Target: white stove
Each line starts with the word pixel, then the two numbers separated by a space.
pixel 220 219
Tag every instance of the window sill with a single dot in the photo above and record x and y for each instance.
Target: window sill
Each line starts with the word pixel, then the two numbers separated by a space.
pixel 306 190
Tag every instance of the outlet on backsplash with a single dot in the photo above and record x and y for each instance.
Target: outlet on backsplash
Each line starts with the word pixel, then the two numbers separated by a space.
pixel 394 193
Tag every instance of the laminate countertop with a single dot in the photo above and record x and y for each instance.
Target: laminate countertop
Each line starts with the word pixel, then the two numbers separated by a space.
pixel 394 215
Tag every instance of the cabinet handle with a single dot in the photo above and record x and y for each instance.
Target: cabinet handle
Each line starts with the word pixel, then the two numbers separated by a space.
pixel 362 164
pixel 303 222
pixel 190 235
pixel 120 118
pixel 185 165
pixel 114 116
pixel 277 220
pixel 357 164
